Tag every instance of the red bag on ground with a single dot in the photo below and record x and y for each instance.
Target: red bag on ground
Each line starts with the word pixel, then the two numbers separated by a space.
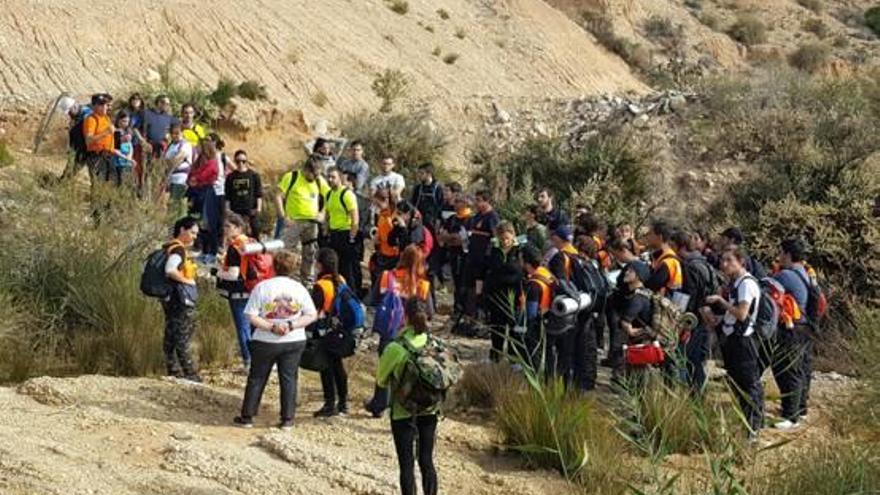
pixel 650 354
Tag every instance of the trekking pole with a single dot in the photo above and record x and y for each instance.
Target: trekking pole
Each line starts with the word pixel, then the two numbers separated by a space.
pixel 47 118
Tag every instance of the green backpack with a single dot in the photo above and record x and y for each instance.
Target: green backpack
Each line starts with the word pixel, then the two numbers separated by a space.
pixel 428 373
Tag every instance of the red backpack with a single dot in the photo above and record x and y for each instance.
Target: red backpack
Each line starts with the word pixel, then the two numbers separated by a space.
pixel 255 267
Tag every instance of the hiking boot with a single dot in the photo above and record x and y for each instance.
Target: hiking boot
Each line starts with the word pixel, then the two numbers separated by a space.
pixel 243 422
pixel 325 412
pixel 285 425
pixel 785 425
pixel 342 409
pixel 368 406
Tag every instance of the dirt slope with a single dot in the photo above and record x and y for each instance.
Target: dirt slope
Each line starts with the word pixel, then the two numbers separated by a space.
pixel 300 49
pixel 115 436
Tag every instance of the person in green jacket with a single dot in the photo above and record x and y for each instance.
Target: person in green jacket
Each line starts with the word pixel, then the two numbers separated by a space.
pixel 407 430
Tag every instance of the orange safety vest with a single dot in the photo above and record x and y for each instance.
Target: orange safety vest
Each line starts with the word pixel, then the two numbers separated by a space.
pixel 423 291
pixel 384 226
pixel 568 249
pixel 328 288
pixel 544 279
pixel 673 266
pixel 602 255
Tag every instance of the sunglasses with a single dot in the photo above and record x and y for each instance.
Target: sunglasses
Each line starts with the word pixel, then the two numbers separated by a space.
pixel 240 162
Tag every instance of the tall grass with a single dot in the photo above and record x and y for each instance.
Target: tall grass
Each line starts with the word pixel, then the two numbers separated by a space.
pixel 661 417
pixel 215 333
pixel 75 275
pixel 836 468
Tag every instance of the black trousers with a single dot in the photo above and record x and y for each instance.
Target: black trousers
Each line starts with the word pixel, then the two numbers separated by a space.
pixel 789 370
pixel 744 374
pixel 616 340
pixel 263 355
pixel 558 355
pixel 334 383
pixel 347 253
pixel 420 431
pixel 807 374
pixel 584 358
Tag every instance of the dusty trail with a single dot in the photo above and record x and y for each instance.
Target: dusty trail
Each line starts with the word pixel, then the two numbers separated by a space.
pixel 105 435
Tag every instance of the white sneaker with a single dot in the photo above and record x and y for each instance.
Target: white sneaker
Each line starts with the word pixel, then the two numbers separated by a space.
pixel 785 425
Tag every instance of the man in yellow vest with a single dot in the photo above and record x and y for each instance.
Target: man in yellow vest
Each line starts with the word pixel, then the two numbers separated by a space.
pixel 343 220
pixel 300 206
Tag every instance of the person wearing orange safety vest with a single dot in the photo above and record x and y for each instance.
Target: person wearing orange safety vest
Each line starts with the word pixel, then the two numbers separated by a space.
pixel 334 379
pixel 666 270
pixel 539 296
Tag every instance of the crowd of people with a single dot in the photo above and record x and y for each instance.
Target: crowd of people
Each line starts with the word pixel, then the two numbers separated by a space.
pixel 335 219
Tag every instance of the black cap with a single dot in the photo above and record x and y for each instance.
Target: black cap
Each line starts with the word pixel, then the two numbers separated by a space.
pixel 101 98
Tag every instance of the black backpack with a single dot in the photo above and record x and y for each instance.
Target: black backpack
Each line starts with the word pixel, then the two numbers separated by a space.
pixel 77 140
pixel 426 201
pixel 588 279
pixel 700 281
pixel 154 282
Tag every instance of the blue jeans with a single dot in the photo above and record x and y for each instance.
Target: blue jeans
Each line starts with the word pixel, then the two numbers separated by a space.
pixel 242 327
pixel 379 401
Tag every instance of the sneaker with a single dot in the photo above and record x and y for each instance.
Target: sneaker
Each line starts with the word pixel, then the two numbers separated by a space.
pixel 285 425
pixel 325 412
pixel 368 406
pixel 243 422
pixel 342 409
pixel 785 425
pixel 193 379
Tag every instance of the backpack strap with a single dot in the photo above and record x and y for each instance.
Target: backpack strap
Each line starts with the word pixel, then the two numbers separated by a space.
pixel 294 175
pixel 754 306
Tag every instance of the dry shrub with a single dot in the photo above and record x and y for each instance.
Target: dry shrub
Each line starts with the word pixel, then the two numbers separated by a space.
pixel 390 86
pixel 748 30
pixel 480 386
pixel 809 57
pixel 409 137
pixel 814 5
pixel 827 468
pixel 816 26
pixel 601 26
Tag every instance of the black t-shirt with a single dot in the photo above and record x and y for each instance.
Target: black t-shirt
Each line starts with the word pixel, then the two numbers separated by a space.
pixel 636 310
pixel 554 219
pixel 242 190
pixel 482 228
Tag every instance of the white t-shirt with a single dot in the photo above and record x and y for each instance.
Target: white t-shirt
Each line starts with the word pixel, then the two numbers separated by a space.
pixel 746 290
pixel 392 181
pixel 180 174
pixel 220 183
pixel 280 300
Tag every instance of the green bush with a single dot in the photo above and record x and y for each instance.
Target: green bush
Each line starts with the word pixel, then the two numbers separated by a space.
pixel 809 143
pixel 748 30
pixel 178 92
pixel 872 19
pixel 6 157
pixel 481 385
pixel 814 5
pixel 409 138
pixel 215 335
pixel 809 57
pixel 225 91
pixel 390 86
pixel 443 14
pixel 612 158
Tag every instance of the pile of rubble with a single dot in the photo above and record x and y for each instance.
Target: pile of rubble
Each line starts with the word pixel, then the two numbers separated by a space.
pixel 578 119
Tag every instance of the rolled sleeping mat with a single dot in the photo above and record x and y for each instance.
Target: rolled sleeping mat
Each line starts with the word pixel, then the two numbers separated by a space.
pixel 688 321
pixel 565 306
pixel 263 247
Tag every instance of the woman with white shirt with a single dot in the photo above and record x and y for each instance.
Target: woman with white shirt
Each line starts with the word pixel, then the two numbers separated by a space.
pixel 179 157
pixel 739 346
pixel 279 310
